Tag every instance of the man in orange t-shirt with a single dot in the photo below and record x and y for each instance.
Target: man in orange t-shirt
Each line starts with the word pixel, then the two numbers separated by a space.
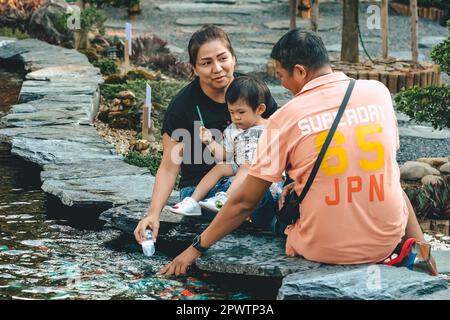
pixel 355 211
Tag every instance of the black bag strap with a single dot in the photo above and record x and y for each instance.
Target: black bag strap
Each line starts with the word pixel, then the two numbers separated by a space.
pixel 327 142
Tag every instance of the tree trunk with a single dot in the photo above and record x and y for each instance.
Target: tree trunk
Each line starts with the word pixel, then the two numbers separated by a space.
pixel 293 14
pixel 314 14
pixel 350 50
pixel 385 28
pixel 414 18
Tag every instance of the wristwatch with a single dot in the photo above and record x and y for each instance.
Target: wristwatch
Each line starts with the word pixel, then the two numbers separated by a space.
pixel 197 246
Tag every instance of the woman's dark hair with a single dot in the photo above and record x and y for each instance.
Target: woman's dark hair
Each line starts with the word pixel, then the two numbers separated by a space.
pixel 300 47
pixel 248 89
pixel 206 34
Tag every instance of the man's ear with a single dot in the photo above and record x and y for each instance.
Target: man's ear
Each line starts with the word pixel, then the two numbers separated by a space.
pixel 195 71
pixel 261 108
pixel 300 72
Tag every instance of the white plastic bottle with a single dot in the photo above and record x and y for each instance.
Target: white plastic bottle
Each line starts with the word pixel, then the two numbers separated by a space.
pixel 148 246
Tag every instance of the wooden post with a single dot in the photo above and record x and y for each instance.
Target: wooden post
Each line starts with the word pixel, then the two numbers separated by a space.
pixel 385 28
pixel 414 32
pixel 350 41
pixel 145 123
pixel 293 14
pixel 314 15
pixel 126 57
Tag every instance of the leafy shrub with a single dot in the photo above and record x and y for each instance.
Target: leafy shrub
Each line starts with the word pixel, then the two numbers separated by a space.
pixel 162 91
pixel 431 201
pixel 107 66
pixel 441 53
pixel 431 104
pixel 8 32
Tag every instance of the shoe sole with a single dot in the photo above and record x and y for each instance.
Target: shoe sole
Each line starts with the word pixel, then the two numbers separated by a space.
pixel 185 213
pixel 207 207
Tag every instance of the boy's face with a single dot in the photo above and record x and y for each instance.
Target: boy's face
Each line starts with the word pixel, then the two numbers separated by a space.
pixel 243 116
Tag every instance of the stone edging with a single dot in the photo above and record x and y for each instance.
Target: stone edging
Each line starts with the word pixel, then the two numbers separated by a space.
pixel 52 127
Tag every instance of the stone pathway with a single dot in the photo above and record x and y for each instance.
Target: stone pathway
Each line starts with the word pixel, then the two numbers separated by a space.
pixel 52 128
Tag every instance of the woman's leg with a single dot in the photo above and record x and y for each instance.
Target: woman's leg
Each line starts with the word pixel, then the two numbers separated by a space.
pixel 210 179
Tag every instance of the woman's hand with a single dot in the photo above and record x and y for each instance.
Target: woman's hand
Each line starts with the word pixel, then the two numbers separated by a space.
pixel 152 222
pixel 286 190
pixel 205 136
pixel 181 263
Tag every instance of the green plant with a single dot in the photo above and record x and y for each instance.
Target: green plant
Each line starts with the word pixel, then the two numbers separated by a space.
pixel 162 91
pixel 8 32
pixel 107 66
pixel 431 201
pixel 92 18
pixel 150 160
pixel 431 104
pixel 441 53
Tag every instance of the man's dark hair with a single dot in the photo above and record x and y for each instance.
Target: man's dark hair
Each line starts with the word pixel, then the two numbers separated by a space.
pixel 300 47
pixel 252 91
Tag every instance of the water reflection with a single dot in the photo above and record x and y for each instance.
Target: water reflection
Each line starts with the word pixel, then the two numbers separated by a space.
pixel 49 259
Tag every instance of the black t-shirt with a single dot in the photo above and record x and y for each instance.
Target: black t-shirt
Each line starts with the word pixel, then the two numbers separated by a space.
pixel 182 122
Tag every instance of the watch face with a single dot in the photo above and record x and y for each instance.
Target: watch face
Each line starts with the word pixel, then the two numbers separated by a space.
pixel 196 241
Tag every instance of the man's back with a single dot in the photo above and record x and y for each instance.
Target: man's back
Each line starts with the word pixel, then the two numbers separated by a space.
pixel 354 211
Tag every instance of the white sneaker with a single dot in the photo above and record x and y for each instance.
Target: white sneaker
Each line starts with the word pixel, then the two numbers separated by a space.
pixel 187 207
pixel 215 203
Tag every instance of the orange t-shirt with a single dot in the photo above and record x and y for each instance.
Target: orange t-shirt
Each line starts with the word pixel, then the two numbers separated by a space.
pixel 354 211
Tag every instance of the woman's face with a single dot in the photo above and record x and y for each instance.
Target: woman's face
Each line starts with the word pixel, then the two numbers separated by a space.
pixel 215 65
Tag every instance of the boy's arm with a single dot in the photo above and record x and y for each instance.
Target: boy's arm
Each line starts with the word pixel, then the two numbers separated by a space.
pixel 218 151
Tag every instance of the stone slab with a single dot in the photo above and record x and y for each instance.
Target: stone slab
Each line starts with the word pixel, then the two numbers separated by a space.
pixel 377 282
pixel 442 260
pixel 55 151
pixel 323 24
pixel 200 21
pixel 430 41
pixel 220 9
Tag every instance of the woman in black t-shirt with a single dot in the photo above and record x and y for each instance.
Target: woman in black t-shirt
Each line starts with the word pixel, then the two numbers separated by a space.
pixel 202 101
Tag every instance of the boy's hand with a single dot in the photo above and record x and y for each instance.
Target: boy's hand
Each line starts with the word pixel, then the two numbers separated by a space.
pixel 205 136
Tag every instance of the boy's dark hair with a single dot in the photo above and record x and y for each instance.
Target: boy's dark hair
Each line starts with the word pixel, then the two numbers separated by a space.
pixel 300 47
pixel 252 91
pixel 206 34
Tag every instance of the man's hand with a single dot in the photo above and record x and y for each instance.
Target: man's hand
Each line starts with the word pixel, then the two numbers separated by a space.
pixel 286 190
pixel 152 222
pixel 180 264
pixel 205 136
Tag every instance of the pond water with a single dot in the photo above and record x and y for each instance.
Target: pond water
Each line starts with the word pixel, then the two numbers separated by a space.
pixel 43 256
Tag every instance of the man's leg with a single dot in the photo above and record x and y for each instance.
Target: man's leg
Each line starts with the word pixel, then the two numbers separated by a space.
pixel 413 229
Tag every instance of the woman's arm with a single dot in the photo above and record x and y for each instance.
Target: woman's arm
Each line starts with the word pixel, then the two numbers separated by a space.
pixel 164 183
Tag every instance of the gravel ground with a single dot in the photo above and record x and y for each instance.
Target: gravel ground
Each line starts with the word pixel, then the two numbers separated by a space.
pixel 412 148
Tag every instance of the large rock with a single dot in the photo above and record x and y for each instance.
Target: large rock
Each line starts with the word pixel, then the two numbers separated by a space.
pixel 44 25
pixel 377 282
pixel 445 168
pixel 413 170
pixel 435 162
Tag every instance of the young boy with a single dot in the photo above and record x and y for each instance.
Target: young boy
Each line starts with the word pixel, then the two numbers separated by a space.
pixel 247 98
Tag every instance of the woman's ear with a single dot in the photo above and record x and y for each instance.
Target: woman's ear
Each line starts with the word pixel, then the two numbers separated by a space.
pixel 261 108
pixel 194 71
